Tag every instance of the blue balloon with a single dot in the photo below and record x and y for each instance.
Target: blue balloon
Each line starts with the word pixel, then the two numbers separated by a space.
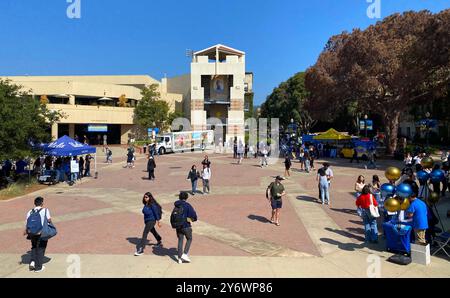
pixel 387 190
pixel 404 190
pixel 437 176
pixel 423 176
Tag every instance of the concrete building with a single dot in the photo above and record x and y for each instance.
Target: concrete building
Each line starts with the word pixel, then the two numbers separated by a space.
pixel 216 87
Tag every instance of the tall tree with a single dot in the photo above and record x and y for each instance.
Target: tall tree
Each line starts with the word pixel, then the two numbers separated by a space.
pixel 383 69
pixel 24 120
pixel 151 110
pixel 287 102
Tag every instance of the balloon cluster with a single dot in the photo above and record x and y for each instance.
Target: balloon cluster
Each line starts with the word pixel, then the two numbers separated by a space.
pixel 398 196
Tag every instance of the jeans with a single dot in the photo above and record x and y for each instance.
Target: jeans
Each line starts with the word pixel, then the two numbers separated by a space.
pixel 87 172
pixel 74 177
pixel 370 226
pixel 194 186
pixel 151 174
pixel 38 247
pixel 149 227
pixel 181 233
pixel 206 185
pixel 324 188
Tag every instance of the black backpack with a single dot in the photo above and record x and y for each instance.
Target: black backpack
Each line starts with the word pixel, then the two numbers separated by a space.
pixel 267 190
pixel 177 218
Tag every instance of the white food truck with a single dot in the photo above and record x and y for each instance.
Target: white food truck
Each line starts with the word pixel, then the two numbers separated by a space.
pixel 184 141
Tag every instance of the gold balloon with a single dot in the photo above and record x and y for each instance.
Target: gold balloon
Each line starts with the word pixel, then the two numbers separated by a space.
pixel 427 163
pixel 392 205
pixel 405 205
pixel 434 198
pixel 393 174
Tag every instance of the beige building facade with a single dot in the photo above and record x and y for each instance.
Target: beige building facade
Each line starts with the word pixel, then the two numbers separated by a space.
pixel 91 106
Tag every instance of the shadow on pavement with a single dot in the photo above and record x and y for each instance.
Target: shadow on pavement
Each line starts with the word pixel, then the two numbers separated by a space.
pixel 261 219
pixel 345 234
pixel 26 259
pixel 346 211
pixel 308 199
pixel 343 246
pixel 162 252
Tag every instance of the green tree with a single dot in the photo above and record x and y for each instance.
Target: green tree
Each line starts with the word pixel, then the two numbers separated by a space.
pixel 151 111
pixel 23 120
pixel 384 69
pixel 287 102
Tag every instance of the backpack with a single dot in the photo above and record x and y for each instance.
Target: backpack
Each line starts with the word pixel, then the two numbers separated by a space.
pixel 267 190
pixel 177 218
pixel 34 223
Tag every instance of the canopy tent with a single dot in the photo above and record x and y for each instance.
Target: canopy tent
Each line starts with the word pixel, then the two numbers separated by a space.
pixel 332 134
pixel 66 146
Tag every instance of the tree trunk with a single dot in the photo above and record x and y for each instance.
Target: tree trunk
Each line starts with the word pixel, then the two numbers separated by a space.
pixel 392 122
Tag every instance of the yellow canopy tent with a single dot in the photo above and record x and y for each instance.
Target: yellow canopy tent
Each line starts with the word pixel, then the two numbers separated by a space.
pixel 332 134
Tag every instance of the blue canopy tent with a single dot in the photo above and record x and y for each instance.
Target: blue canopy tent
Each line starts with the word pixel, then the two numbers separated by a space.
pixel 66 146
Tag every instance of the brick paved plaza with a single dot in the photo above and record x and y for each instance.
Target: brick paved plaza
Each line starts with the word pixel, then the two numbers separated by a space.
pixel 100 221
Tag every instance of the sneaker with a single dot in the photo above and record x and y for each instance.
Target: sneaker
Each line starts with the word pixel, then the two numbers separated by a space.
pixel 38 271
pixel 32 264
pixel 159 244
pixel 185 258
pixel 139 253
pixel 180 261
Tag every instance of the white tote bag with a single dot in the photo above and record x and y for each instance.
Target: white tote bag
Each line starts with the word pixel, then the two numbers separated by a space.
pixel 373 209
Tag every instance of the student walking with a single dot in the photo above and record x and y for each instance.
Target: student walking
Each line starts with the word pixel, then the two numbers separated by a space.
pixel 324 187
pixel 34 225
pixel 193 176
pixel 275 193
pixel 206 177
pixel 151 166
pixel 152 215
pixel 287 166
pixel 182 216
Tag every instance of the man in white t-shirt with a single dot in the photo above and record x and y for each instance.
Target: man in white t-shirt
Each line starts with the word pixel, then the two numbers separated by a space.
pixel 38 246
pixel 206 177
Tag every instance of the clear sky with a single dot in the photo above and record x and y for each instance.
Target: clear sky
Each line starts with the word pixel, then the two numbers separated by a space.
pixel 280 37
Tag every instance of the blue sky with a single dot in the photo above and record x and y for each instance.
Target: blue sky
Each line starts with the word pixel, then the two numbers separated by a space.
pixel 280 37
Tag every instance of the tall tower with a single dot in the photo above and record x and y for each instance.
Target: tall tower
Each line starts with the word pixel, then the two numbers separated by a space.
pixel 218 89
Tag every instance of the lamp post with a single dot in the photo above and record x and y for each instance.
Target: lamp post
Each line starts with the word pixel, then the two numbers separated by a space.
pixel 427 127
pixel 365 121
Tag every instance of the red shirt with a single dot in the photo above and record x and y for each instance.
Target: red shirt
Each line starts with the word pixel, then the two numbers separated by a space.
pixel 364 201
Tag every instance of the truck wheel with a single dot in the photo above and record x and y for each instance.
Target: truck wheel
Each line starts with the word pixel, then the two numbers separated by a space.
pixel 162 151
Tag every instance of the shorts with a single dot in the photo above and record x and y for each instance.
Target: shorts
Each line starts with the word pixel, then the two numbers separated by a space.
pixel 277 204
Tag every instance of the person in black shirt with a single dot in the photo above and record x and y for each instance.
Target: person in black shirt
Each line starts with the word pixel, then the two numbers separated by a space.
pixel 151 165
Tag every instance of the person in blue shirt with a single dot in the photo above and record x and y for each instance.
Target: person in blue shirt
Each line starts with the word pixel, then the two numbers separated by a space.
pixel 152 215
pixel 186 230
pixel 419 213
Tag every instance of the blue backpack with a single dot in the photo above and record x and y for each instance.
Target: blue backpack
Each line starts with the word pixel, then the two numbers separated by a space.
pixel 34 223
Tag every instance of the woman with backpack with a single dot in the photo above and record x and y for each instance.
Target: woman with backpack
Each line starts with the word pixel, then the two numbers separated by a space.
pixel 152 215
pixel 193 176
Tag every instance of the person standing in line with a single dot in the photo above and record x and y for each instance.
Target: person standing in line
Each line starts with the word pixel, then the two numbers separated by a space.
pixel 365 200
pixel 376 188
pixel 193 176
pixel 418 212
pixel 206 177
pixel 151 166
pixel 152 216
pixel 34 224
pixel 81 173
pixel 74 169
pixel 302 158
pixel 324 193
pixel 87 171
pixel 184 228
pixel 287 165
pixel 275 193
